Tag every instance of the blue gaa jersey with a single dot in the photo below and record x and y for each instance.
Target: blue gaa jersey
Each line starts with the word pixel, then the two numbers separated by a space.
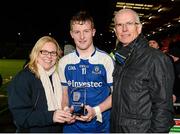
pixel 89 81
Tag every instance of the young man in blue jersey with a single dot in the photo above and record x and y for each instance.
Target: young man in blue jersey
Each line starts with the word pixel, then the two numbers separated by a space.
pixel 86 76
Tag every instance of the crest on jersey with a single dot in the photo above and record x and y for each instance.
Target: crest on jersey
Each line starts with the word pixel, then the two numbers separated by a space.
pixel 96 70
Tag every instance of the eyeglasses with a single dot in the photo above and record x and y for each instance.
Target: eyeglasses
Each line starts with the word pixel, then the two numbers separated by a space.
pixel 128 24
pixel 45 52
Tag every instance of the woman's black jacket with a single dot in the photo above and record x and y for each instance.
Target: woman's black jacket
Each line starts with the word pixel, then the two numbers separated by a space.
pixel 28 104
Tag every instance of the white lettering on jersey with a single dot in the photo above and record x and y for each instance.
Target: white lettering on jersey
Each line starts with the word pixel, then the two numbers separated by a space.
pixel 77 84
pixel 71 68
pixel 83 70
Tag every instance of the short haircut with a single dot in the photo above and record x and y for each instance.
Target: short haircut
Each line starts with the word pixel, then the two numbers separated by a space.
pixel 129 10
pixel 80 18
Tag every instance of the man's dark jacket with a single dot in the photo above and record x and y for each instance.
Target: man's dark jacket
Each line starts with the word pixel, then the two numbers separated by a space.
pixel 142 94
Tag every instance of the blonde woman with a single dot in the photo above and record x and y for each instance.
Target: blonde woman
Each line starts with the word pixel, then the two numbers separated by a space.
pixel 34 95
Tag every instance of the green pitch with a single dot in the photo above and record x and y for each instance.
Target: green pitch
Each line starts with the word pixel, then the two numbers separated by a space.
pixel 8 69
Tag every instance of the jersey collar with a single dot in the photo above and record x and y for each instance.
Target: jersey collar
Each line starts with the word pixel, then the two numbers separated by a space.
pixel 91 54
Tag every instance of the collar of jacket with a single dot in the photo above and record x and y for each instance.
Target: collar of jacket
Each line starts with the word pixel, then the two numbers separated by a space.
pixel 139 42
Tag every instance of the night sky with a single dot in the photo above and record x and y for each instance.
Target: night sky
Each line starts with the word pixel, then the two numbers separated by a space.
pixel 33 19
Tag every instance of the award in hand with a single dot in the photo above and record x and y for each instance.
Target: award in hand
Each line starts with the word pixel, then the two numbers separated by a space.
pixel 78 100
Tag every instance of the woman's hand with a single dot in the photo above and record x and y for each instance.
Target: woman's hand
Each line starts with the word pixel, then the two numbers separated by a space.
pixel 62 116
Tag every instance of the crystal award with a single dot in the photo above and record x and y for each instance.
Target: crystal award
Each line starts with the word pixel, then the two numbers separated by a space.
pixel 78 100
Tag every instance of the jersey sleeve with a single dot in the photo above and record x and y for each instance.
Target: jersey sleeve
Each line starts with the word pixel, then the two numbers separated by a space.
pixel 109 65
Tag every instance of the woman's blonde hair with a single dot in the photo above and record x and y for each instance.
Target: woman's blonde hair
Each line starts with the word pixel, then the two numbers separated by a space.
pixel 32 64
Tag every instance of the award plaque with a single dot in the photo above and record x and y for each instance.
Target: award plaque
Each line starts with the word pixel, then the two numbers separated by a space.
pixel 78 101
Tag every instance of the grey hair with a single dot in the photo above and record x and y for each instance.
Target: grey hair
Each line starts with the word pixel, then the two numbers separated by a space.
pixel 129 10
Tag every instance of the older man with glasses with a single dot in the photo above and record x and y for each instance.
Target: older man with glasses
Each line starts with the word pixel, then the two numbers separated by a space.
pixel 142 79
